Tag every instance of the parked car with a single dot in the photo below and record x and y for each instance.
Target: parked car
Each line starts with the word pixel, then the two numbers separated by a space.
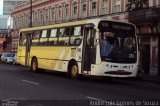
pixel 15 60
pixel 7 57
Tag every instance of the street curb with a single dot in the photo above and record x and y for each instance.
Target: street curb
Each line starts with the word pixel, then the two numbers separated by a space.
pixel 148 79
pixel 152 81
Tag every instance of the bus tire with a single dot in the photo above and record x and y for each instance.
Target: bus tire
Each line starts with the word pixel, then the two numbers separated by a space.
pixel 34 65
pixel 73 71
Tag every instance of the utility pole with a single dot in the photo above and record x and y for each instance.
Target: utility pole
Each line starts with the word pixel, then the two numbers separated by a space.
pixel 30 13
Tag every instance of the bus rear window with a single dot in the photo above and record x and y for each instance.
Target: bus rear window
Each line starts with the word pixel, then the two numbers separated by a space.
pixel 22 41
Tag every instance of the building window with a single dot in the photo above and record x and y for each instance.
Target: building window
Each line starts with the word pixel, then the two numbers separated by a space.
pixel 41 16
pixel 104 7
pixel 46 15
pixel 59 15
pixel 19 21
pixel 53 13
pixel 12 2
pixel 26 19
pixel 19 2
pixel 93 5
pixel 116 6
pixel 66 13
pixel 84 8
pixel 36 16
pixel 93 8
pixel 22 21
pixel 15 22
pixel 104 3
pixel 6 3
pixel 75 10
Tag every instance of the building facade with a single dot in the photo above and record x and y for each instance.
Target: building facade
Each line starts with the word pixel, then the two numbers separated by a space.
pixel 3 34
pixel 46 12
pixel 3 21
pixel 8 5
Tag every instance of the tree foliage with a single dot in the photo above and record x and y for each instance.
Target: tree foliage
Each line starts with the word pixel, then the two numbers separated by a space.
pixel 136 4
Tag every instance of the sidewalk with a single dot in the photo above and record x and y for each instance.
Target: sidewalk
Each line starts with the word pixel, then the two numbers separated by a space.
pixel 149 78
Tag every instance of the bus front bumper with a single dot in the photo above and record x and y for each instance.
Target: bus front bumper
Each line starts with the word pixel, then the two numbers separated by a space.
pixel 114 70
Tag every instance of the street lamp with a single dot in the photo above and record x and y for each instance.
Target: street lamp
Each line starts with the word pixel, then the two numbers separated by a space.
pixel 30 13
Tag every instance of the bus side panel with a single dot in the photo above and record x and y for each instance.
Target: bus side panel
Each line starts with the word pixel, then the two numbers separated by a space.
pixel 52 58
pixel 63 57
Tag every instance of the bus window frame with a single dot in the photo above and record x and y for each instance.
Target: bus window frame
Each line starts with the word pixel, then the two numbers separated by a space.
pixel 49 37
pixel 71 34
pixel 56 33
pixel 46 43
pixel 77 36
pixel 38 38
pixel 20 39
pixel 63 36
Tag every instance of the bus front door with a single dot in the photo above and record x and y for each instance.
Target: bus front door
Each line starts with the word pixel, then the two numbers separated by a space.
pixel 28 46
pixel 89 54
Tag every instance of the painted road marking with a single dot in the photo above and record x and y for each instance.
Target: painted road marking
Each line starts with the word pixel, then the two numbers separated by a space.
pixel 92 98
pixel 30 82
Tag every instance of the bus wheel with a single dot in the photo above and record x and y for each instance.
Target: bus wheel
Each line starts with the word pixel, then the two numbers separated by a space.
pixel 34 65
pixel 73 71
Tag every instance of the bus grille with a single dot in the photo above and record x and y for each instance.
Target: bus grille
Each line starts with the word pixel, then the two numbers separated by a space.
pixel 118 73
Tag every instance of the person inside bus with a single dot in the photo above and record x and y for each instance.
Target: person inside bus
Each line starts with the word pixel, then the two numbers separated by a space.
pixel 107 46
pixel 128 48
pixel 128 44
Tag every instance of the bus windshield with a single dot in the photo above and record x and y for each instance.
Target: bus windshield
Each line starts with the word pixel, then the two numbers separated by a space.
pixel 117 42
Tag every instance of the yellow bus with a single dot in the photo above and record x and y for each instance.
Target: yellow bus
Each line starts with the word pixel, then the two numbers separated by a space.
pixel 97 47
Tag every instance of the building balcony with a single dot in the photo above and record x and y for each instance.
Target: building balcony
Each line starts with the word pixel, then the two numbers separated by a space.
pixel 145 16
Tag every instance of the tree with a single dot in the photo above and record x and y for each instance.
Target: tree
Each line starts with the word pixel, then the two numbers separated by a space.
pixel 136 4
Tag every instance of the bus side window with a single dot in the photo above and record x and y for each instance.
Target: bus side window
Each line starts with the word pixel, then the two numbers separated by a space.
pixel 76 37
pixel 35 38
pixel 64 36
pixel 22 41
pixel 53 39
pixel 43 41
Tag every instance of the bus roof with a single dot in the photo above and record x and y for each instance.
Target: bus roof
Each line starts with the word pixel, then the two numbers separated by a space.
pixel 72 23
pixel 55 25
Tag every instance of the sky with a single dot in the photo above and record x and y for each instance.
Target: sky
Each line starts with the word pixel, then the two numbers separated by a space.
pixel 1 7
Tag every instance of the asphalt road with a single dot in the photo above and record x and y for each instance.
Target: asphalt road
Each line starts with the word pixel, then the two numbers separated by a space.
pixel 19 83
